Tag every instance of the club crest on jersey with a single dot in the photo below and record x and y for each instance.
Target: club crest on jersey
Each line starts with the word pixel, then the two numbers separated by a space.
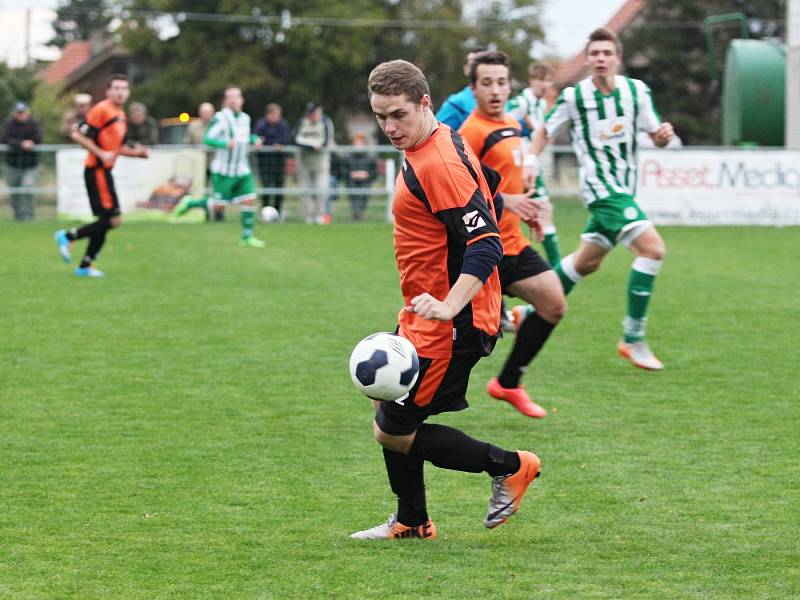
pixel 611 129
pixel 473 220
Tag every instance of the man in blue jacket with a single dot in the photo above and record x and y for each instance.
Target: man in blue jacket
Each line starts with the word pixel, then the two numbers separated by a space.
pixel 455 110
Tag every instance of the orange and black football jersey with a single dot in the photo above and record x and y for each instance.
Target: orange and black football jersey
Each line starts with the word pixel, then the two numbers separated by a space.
pixel 498 145
pixel 107 126
pixel 442 204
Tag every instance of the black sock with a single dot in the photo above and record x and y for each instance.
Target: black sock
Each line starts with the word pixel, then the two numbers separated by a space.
pixel 78 233
pixel 532 335
pixel 96 241
pixel 408 483
pixel 449 448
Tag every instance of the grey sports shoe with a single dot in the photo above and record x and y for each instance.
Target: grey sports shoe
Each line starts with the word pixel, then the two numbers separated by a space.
pixel 639 354
pixel 393 529
pixel 508 490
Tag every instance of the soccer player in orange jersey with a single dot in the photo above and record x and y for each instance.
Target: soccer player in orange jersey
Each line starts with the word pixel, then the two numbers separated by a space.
pixel 495 137
pixel 103 135
pixel 447 247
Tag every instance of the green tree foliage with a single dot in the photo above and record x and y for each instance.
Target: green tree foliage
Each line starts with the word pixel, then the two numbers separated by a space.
pixel 16 84
pixel 666 47
pixel 296 51
pixel 48 105
pixel 79 20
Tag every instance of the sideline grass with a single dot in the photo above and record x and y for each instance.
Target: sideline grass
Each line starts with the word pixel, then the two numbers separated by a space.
pixel 186 428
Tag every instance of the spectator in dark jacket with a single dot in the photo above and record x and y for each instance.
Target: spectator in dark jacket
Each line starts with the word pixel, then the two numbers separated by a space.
pixel 142 128
pixel 359 170
pixel 273 130
pixel 21 132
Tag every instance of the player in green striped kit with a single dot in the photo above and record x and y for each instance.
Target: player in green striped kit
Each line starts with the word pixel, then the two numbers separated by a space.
pixel 604 113
pixel 231 178
pixel 529 108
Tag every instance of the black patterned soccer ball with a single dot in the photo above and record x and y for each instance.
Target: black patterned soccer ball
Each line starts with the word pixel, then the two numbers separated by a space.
pixel 384 366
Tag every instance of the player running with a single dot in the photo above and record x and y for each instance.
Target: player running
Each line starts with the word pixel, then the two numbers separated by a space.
pixel 529 108
pixel 604 113
pixel 447 247
pixel 494 136
pixel 103 135
pixel 231 177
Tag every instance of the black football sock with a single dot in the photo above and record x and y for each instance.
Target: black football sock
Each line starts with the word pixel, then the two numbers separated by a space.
pixel 449 448
pixel 407 480
pixel 532 335
pixel 78 233
pixel 96 241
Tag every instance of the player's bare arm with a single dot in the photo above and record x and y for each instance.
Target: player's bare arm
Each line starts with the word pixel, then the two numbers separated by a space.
pixel 428 307
pixel 138 151
pixel 662 136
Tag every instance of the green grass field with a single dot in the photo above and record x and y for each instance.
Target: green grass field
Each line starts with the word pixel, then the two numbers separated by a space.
pixel 186 427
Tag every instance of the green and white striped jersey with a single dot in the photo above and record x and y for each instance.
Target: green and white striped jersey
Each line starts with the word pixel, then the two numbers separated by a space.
pixel 603 130
pixel 527 106
pixel 227 125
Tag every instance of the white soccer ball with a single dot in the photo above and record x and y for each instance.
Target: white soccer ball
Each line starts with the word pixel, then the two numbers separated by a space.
pixel 384 366
pixel 270 214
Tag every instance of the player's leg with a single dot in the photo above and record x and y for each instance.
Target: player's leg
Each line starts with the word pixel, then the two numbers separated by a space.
pixel 105 205
pixel 597 240
pixel 649 250
pixel 400 428
pixel 243 193
pixel 528 276
pixel 550 242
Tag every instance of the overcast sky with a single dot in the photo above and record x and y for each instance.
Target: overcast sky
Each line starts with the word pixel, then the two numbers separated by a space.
pixel 567 23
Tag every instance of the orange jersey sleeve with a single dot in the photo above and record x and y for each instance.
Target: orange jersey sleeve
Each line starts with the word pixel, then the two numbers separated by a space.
pixel 498 145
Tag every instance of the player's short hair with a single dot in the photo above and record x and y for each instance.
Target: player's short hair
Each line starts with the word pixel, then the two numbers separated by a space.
pixel 491 57
pixel 539 71
pixel 604 34
pixel 117 77
pixel 478 50
pixel 398 77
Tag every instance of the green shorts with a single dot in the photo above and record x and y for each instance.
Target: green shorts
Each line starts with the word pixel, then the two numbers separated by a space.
pixel 613 220
pixel 228 188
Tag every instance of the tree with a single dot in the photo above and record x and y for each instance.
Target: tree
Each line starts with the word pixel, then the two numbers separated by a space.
pixel 296 51
pixel 16 84
pixel 80 20
pixel 666 48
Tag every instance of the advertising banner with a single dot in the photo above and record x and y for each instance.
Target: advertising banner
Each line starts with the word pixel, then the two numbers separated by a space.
pixel 147 188
pixel 720 187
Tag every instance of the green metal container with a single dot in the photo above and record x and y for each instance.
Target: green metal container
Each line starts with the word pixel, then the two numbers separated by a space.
pixel 753 93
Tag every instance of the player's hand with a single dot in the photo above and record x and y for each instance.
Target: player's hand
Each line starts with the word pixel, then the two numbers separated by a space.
pixel 429 308
pixel 231 143
pixel 107 157
pixel 523 204
pixel 144 152
pixel 537 230
pixel 258 143
pixel 663 134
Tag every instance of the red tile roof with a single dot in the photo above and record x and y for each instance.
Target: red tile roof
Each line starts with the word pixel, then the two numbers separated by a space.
pixel 73 55
pixel 572 70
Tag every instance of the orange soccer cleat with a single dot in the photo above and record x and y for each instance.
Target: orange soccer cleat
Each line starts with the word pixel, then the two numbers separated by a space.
pixel 394 530
pixel 508 490
pixel 516 397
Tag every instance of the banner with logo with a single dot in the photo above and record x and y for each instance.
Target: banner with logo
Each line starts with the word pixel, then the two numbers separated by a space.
pixel 146 187
pixel 720 187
